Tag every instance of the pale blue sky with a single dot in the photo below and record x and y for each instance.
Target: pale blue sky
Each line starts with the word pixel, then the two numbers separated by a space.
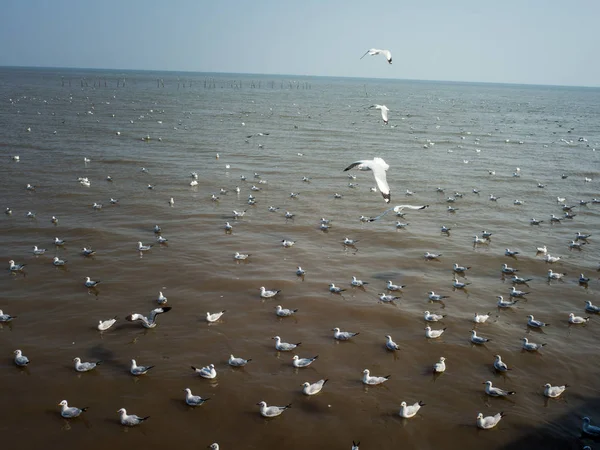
pixel 510 41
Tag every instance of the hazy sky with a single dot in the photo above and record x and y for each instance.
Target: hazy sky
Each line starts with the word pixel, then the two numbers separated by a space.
pixel 511 41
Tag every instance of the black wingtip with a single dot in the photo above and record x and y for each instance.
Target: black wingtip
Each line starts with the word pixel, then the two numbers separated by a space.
pixel 387 196
pixel 85 409
pixel 194 368
pixel 288 406
pixel 145 418
pixel 421 403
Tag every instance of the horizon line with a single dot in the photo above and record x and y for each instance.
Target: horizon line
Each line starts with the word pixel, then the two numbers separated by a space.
pixel 306 76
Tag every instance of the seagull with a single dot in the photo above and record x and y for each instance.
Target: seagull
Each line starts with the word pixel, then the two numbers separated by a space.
pixel 410 411
pixel 582 237
pixel 458 284
pixel 542 250
pixel 357 283
pixel 104 325
pixel 271 411
pixel 143 248
pixel 397 209
pixel 312 389
pixel 302 362
pixel 478 339
pixel 87 251
pixel 445 229
pixel 554 391
pixel 343 335
pixel 535 323
pixel 519 280
pixel 531 346
pixel 499 365
pixel 516 293
pixel 505 303
pixel 555 275
pixel 38 251
pixel 161 298
pixel 436 297
pixel 460 269
pixel 508 270
pixel 300 271
pixel 369 380
pixel 348 241
pixel 495 391
pixel 130 420
pixel 20 359
pixel 70 412
pixel 379 167
pixel 58 262
pixel 214 317
pixel 284 346
pixel 440 366
pixel 376 51
pixel 6 317
pixel 15 267
pixel 481 318
pixel 334 289
pixel 509 252
pixel 150 321
pixel 486 423
pixel 430 256
pixel 287 243
pixel 478 240
pixel 384 112
pixel 575 320
pixel 355 445
pixel 590 429
pixel 394 287
pixel 589 307
pixel 206 371
pixel 431 317
pixel 241 256
pixel 281 312
pixel 237 362
pixel 264 293
pixel 534 221
pixel 85 366
pixel 551 259
pixel 433 334
pixel 136 370
pixel 193 400
pixel 390 344
pixel 228 227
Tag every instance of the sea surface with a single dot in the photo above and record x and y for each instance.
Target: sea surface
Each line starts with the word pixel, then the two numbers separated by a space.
pixel 447 135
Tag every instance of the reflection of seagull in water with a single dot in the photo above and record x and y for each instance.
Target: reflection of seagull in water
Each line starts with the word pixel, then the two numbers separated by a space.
pixel 379 167
pixel 375 51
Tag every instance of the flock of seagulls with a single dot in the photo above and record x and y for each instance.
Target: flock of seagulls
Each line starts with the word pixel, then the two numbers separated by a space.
pixel 392 294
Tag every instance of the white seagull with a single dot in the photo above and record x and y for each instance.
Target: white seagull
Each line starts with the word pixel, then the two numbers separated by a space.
pixel 486 423
pixel 384 112
pixel 206 371
pixel 397 209
pixel 150 321
pixel 312 389
pixel 408 411
pixel 104 325
pixel 20 359
pixel 495 391
pixel 479 340
pixel 369 380
pixel 481 318
pixel 376 51
pixel 440 366
pixel 70 412
pixel 433 334
pixel 531 346
pixel 379 167
pixel 89 283
pixel 214 317
pixel 237 362
pixel 265 293
pixel 283 312
pixel 302 362
pixel 343 335
pixel 500 365
pixel 130 420
pixel 284 346
pixel 136 370
pixel 193 400
pixel 85 366
pixel 390 344
pixel 554 391
pixel 271 411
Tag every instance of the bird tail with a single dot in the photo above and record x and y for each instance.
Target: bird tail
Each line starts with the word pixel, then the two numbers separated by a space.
pixel 99 362
pixel 194 368
pixel 502 414
pixel 145 418
pixel 511 392
pixel 85 409
pixel 387 377
pixel 326 380
pixel 248 360
pixel 288 406
pixel 298 343
pixel 316 357
pixel 421 403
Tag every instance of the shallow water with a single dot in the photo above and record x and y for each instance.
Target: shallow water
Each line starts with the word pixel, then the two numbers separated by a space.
pixel 328 121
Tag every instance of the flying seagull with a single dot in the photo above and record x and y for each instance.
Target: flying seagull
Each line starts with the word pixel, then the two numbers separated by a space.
pixel 379 168
pixel 384 112
pixel 375 51
pixel 397 209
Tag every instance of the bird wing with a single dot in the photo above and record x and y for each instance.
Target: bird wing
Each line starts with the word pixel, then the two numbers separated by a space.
pixel 381 180
pixel 357 163
pixel 135 316
pixel 388 55
pixel 366 53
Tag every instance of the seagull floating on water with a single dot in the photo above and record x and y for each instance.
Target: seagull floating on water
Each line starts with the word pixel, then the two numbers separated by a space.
pixel 390 344
pixel 284 346
pixel 372 381
pixel 70 412
pixel 499 365
pixel 303 362
pixel 531 346
pixel 136 370
pixel 208 372
pixel 130 420
pixel 313 389
pixel 408 411
pixel 237 362
pixel 343 335
pixel 20 359
pixel 486 423
pixel 271 411
pixel 104 325
pixel 554 391
pixel 193 400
